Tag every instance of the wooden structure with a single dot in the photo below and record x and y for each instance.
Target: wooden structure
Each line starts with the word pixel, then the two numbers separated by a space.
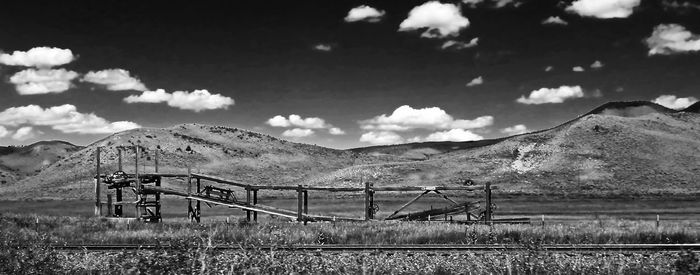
pixel 201 189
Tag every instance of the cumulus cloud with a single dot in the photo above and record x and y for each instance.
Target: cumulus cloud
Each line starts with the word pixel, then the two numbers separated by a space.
pixel 548 68
pixel 459 45
pixel 24 133
pixel 454 135
pixel 364 13
pixel 440 20
pixel 381 138
pixel 578 69
pixel 323 47
pixel 298 121
pixel 673 102
pixel 515 129
pixel 554 20
pixel 115 80
pixel 492 3
pixel 197 101
pixel 40 57
pixel 597 65
pixel 336 131
pixel 604 8
pixel 672 38
pixel 475 82
pixel 552 95
pixel 680 5
pixel 407 118
pixel 64 118
pixel 298 133
pixel 3 132
pixel 42 81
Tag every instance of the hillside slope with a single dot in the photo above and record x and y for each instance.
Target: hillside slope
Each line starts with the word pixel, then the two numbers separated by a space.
pixel 636 148
pixel 20 162
pixel 226 152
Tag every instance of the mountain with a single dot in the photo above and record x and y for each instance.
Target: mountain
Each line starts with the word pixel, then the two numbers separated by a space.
pixel 695 108
pixel 618 149
pixel 18 162
pixel 227 152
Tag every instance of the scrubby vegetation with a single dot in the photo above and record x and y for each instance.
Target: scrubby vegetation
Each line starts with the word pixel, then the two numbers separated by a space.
pixel 26 247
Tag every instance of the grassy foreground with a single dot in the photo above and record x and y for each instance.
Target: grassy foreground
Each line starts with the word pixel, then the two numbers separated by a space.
pixel 25 247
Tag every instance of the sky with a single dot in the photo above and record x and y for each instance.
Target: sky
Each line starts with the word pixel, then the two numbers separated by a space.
pixel 339 74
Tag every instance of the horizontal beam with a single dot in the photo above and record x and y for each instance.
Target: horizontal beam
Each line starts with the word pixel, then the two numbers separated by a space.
pixel 433 188
pixel 220 180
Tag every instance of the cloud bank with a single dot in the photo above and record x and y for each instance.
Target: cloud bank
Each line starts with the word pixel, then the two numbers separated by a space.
pixel 604 9
pixel 42 81
pixel 670 39
pixel 673 102
pixel 40 57
pixel 64 118
pixel 406 118
pixel 198 100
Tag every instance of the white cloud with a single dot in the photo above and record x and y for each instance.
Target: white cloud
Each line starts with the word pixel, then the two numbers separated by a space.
pixel 197 101
pixel 298 121
pixel 42 81
pixel 336 131
pixel 672 38
pixel 381 138
pixel 156 96
pixel 597 65
pixel 440 20
pixel 459 45
pixel 3 132
pixel 323 47
pixel 554 20
pixel 515 129
pixel 679 5
pixel 548 68
pixel 673 102
pixel 453 135
pixel 115 80
pixel 472 3
pixel 475 82
pixel 406 118
pixel 552 95
pixel 64 118
pixel 604 8
pixel 578 69
pixel 298 133
pixel 492 3
pixel 41 57
pixel 24 133
pixel 364 13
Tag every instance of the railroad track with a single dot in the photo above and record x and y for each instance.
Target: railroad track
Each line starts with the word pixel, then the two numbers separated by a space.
pixel 409 248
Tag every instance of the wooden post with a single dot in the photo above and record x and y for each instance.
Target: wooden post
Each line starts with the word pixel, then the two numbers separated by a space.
pixel 198 210
pixel 118 208
pixel 157 195
pixel 371 201
pixel 109 205
pixel 306 204
pixel 119 152
pixel 300 203
pixel 247 202
pixel 255 201
pixel 156 160
pixel 138 183
pixel 189 192
pixel 657 221
pixel 488 216
pixel 466 209
pixel 98 204
pixel 367 204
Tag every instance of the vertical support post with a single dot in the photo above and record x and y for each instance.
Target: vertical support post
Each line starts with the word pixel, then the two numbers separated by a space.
pixel 657 221
pixel 119 152
pixel 247 202
pixel 98 204
pixel 158 181
pixel 198 209
pixel 138 183
pixel 371 201
pixel 367 206
pixel 300 203
pixel 255 201
pixel 466 209
pixel 118 208
pixel 488 216
pixel 109 205
pixel 306 204
pixel 156 160
pixel 189 192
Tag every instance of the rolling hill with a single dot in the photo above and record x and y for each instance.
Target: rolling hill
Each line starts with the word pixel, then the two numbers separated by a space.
pixel 618 149
pixel 17 163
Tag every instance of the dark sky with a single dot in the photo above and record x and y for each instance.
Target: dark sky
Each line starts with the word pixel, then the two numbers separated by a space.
pixel 261 54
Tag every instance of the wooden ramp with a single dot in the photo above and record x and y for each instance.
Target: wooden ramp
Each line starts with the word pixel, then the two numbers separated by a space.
pixel 243 206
